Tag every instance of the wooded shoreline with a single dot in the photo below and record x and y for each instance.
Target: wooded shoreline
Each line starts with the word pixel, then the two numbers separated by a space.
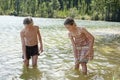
pixel 108 10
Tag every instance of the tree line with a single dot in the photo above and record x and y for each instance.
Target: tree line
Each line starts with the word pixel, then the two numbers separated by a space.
pixel 108 10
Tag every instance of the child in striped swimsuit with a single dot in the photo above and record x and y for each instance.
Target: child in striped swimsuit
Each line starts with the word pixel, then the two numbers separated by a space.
pixel 82 42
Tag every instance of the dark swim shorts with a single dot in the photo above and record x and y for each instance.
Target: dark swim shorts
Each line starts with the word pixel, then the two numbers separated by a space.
pixel 31 51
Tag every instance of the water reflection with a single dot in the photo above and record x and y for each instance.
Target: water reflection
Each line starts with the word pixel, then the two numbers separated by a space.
pixel 31 74
pixel 75 75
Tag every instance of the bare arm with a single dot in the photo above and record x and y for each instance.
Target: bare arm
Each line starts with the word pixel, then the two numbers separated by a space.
pixel 40 40
pixel 74 47
pixel 91 43
pixel 23 44
pixel 90 38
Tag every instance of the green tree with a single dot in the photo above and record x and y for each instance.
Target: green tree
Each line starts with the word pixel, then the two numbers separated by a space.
pixel 98 10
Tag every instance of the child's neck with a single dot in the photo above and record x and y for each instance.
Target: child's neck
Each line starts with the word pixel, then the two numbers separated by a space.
pixel 29 27
pixel 75 30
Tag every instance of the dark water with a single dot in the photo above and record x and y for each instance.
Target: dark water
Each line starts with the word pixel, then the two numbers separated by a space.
pixel 57 61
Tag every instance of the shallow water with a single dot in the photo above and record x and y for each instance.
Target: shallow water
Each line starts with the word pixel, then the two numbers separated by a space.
pixel 57 61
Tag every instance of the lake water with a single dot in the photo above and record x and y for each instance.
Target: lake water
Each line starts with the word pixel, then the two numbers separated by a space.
pixel 57 61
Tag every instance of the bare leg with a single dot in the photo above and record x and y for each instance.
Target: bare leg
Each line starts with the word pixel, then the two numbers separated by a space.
pixel 77 56
pixel 76 66
pixel 34 60
pixel 26 63
pixel 84 68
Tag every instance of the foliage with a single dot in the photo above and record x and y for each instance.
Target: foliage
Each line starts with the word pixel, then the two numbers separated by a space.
pixel 84 9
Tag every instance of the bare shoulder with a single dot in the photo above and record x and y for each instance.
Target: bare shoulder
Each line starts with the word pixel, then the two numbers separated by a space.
pixel 83 29
pixel 22 32
pixel 36 27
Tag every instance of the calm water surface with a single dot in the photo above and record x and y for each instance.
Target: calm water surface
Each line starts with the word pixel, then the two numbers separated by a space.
pixel 57 61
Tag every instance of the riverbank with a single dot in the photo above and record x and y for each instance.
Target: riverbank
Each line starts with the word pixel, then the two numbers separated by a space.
pixel 79 17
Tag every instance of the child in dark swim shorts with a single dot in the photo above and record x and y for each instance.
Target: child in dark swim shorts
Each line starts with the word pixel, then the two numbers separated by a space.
pixel 30 37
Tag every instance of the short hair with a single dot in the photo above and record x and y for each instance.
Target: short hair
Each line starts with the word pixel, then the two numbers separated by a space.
pixel 27 20
pixel 69 21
